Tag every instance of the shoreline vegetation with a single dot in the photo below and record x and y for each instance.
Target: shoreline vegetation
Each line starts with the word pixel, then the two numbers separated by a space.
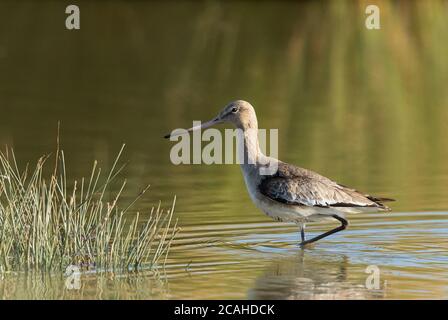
pixel 48 223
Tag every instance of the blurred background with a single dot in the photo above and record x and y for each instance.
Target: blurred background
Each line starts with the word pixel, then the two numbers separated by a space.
pixel 368 108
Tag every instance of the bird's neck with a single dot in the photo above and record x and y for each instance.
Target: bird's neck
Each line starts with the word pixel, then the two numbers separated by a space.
pixel 253 160
pixel 251 147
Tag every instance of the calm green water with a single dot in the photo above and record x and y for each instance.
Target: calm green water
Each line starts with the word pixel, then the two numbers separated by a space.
pixel 366 108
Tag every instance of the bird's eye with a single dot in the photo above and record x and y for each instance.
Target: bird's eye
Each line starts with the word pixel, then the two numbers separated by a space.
pixel 234 109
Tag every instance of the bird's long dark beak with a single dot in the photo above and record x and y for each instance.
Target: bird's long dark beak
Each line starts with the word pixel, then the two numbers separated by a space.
pixel 204 125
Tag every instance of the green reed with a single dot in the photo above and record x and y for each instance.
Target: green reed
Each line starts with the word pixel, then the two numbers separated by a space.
pixel 47 223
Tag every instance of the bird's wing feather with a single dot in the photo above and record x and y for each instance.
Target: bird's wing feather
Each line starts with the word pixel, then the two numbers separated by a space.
pixel 297 186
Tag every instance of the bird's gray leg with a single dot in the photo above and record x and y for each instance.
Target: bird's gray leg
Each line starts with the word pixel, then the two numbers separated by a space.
pixel 344 224
pixel 302 231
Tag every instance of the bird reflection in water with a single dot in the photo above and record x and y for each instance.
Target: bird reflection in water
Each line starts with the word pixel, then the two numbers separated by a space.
pixel 313 276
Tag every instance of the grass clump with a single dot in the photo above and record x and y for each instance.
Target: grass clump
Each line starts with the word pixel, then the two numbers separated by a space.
pixel 47 224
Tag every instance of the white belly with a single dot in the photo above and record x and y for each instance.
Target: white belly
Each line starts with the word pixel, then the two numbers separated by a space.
pixel 294 213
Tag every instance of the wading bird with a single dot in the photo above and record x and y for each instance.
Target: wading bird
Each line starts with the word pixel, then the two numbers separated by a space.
pixel 290 193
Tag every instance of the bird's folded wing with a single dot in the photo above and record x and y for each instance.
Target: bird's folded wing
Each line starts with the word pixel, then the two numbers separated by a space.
pixel 297 186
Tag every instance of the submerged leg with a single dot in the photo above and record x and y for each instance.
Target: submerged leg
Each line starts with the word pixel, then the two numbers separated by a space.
pixel 343 226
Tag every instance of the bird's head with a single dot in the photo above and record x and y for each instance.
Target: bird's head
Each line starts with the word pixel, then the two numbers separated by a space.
pixel 240 113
